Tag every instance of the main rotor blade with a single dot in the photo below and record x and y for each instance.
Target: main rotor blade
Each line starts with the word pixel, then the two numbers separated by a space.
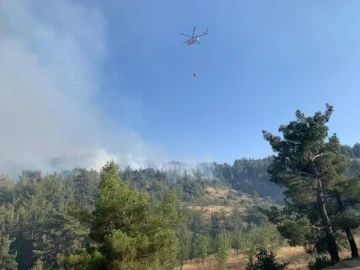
pixel 185 42
pixel 194 31
pixel 184 35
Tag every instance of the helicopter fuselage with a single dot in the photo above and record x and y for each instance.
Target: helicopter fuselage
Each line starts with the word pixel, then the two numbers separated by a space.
pixel 192 41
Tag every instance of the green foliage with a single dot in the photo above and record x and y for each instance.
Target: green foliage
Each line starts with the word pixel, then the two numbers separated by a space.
pixel 195 220
pixel 321 244
pixel 261 237
pixel 41 265
pixel 350 151
pixel 248 175
pixel 36 218
pixel 266 261
pixel 309 167
pixel 7 260
pixel 185 242
pixel 6 189
pixel 204 246
pixel 296 232
pixel 223 248
pixel 231 196
pixel 85 185
pixel 126 232
pixel 356 150
pixel 303 140
pixel 255 216
pixel 92 259
pixel 347 150
pixel 321 262
pixel 255 196
pixel 238 240
pixel 133 219
pixel 236 218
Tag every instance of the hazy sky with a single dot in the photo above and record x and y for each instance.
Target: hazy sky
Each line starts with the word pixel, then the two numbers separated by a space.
pixel 113 77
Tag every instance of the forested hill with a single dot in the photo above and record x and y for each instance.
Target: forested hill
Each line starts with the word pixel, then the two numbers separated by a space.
pixel 37 225
pixel 249 175
pixel 245 175
pixel 351 151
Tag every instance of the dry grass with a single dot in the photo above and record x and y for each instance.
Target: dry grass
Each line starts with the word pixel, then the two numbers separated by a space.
pixel 209 209
pixel 236 261
pixel 223 192
pixel 217 192
pixel 296 255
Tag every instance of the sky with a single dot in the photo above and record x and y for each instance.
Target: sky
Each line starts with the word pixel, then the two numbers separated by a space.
pixel 113 79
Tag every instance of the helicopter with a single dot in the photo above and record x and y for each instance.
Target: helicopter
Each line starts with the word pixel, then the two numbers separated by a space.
pixel 194 39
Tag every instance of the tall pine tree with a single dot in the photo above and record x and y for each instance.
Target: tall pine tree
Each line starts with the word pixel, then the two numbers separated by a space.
pixel 126 232
pixel 303 158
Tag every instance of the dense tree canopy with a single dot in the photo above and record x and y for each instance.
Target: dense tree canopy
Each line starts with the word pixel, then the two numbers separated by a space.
pixel 122 218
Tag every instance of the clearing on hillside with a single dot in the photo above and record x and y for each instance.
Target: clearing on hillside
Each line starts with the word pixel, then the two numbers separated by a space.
pixel 223 193
pixel 209 209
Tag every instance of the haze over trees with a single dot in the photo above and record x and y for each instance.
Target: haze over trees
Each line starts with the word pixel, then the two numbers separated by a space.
pixel 120 218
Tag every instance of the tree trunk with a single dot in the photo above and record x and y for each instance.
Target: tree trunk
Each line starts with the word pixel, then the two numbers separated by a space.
pixel 347 229
pixel 353 246
pixel 330 237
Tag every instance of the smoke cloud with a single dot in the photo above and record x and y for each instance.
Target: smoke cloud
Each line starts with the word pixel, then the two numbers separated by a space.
pixel 51 54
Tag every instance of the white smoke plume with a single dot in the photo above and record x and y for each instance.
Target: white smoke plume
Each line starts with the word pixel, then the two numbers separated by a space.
pixel 51 54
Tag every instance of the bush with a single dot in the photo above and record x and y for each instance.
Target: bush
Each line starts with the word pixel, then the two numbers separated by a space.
pixel 266 261
pixel 320 262
pixel 225 202
pixel 341 243
pixel 231 196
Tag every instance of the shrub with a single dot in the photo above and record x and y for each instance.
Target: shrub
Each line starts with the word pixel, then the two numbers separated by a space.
pixel 320 262
pixel 266 261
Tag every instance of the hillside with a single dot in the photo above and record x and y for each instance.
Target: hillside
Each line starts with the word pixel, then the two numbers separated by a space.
pixel 222 199
pixel 208 202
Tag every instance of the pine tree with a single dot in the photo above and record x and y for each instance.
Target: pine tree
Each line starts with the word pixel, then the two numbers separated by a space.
pixel 184 250
pixel 223 241
pixel 204 246
pixel 126 232
pixel 7 260
pixel 345 193
pixel 305 159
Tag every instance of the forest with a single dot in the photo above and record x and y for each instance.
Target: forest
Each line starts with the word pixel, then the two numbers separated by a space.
pixel 305 194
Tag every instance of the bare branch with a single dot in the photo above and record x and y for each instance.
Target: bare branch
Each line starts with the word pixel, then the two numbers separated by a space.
pixel 319 155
